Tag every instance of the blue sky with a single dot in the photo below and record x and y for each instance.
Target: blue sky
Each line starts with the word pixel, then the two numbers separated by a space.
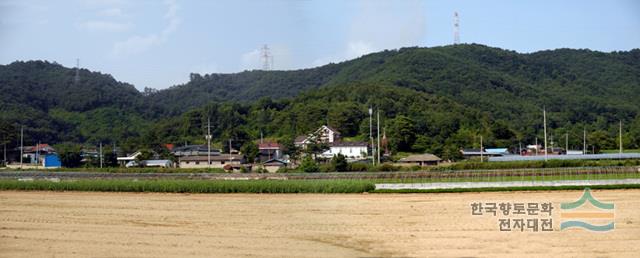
pixel 158 43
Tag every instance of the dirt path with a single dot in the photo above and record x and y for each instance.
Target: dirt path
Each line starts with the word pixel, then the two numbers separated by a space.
pixel 36 224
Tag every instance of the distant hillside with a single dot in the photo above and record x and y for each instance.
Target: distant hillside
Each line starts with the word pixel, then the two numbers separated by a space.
pixel 447 96
pixel 54 107
pixel 474 75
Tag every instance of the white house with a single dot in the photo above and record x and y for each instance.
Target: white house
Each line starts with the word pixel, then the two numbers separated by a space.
pixel 324 133
pixel 351 150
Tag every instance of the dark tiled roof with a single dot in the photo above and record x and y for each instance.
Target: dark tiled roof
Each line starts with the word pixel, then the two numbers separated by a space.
pixel 349 144
pixel 421 157
pixel 300 138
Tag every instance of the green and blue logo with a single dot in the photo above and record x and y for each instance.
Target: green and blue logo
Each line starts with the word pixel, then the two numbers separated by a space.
pixel 599 217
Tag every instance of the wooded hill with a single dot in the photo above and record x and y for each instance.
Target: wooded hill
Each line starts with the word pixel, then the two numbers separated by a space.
pixel 432 99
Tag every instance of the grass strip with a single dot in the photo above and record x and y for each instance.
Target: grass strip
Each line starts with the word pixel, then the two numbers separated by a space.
pixel 194 186
pixel 509 189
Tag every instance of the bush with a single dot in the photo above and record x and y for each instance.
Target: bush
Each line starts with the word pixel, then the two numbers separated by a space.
pixel 309 165
pixel 339 163
pixel 388 167
pixel 358 167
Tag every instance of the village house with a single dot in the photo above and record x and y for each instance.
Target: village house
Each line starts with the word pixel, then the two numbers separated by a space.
pixel 269 151
pixel 217 161
pixel 422 160
pixel 35 154
pixel 131 159
pixel 193 150
pixel 536 150
pixel 40 156
pixel 274 165
pixel 324 134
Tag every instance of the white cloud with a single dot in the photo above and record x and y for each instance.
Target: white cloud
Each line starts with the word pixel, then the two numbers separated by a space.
pixel 105 26
pixel 138 43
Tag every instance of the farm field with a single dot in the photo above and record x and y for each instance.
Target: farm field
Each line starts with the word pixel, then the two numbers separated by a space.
pixel 66 224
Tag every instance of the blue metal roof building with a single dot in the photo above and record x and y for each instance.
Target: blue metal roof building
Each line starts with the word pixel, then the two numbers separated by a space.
pixel 566 157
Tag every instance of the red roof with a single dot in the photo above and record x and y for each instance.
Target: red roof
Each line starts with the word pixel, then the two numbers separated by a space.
pixel 269 145
pixel 40 147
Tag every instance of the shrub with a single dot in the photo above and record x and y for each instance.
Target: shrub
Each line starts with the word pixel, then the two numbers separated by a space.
pixel 309 165
pixel 358 167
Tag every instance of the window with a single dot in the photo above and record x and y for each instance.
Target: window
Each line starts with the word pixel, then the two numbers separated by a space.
pixel 197 162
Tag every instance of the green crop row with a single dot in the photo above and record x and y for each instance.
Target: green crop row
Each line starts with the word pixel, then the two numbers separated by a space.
pixel 195 186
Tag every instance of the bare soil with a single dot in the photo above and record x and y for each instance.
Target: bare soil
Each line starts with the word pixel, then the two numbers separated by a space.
pixel 89 224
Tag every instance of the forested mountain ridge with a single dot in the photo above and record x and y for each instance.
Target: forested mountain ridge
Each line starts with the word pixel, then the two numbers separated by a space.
pixel 445 96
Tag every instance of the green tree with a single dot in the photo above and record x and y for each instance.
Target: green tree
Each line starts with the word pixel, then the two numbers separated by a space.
pixel 110 159
pixel 339 163
pixel 345 117
pixel 70 154
pixel 309 165
pixel 401 133
pixel 250 151
pixel 145 154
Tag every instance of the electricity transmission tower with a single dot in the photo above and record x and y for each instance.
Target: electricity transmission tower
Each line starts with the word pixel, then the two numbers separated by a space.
pixel 267 58
pixel 456 28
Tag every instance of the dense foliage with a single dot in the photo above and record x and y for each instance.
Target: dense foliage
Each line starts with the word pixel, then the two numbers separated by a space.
pixel 430 100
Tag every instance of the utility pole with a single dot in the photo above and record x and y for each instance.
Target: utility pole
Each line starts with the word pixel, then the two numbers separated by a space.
pixel 208 137
pixel 481 154
pixel 36 155
pixel 21 144
pixel 100 154
pixel 519 148
pixel 584 141
pixel 373 148
pixel 566 142
pixel 537 149
pixel 544 115
pixel 230 158
pixel 620 137
pixel 378 131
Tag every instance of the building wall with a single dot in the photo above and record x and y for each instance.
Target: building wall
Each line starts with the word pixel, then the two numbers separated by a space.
pixel 348 151
pixel 203 164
